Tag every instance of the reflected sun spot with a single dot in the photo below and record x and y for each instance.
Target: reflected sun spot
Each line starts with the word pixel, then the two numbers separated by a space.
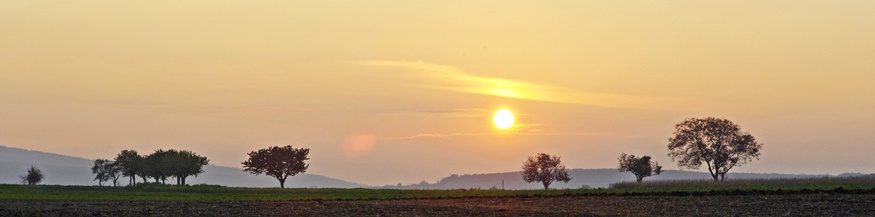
pixel 359 145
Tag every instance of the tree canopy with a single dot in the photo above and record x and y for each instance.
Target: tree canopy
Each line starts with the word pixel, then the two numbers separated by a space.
pixel 155 167
pixel 640 167
pixel 545 169
pixel 182 164
pixel 34 176
pixel 105 170
pixel 131 164
pixel 278 162
pixel 161 165
pixel 716 142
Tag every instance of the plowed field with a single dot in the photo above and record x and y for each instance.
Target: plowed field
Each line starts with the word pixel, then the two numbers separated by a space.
pixel 813 204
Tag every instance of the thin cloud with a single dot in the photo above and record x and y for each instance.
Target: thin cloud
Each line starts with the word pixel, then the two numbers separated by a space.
pixel 434 135
pixel 447 112
pixel 448 136
pixel 455 79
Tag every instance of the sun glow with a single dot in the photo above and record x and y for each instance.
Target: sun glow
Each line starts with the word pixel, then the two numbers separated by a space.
pixel 503 119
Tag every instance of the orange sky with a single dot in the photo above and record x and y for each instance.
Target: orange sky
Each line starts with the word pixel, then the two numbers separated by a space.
pixel 403 91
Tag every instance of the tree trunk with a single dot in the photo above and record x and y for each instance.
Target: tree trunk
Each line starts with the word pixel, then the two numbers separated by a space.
pixel 183 179
pixel 546 185
pixel 714 171
pixel 639 178
pixel 282 183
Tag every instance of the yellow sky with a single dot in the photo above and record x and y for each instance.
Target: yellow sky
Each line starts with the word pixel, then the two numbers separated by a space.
pixel 403 91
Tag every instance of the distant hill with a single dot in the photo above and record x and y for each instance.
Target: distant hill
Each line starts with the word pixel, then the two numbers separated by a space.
pixel 592 178
pixel 227 176
pixel 67 170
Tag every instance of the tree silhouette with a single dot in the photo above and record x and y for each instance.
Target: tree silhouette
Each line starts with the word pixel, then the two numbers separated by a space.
pixel 278 162
pixel 545 169
pixel 114 172
pixel 101 170
pixel 33 177
pixel 717 142
pixel 106 170
pixel 640 167
pixel 182 164
pixel 131 164
pixel 155 167
pixel 161 164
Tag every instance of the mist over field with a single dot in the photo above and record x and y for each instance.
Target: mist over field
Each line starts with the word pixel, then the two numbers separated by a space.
pixel 68 170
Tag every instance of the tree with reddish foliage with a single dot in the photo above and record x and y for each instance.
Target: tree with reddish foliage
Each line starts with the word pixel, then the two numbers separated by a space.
pixel 545 169
pixel 278 162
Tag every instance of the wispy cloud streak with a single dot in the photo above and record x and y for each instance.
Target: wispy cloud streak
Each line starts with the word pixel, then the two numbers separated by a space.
pixel 448 136
pixel 455 79
pixel 447 112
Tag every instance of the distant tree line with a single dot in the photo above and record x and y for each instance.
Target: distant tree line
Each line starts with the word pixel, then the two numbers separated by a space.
pixel 160 165
pixel 277 162
pixel 716 143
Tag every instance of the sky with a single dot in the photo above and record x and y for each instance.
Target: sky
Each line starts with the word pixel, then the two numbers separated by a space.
pixel 386 92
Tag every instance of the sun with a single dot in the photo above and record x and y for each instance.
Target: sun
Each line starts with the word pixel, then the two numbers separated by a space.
pixel 503 119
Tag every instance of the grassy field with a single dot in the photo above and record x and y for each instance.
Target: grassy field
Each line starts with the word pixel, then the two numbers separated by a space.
pixel 812 197
pixel 852 183
pixel 182 193
pixel 217 193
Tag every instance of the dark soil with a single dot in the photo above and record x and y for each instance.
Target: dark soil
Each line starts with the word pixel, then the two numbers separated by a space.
pixel 816 204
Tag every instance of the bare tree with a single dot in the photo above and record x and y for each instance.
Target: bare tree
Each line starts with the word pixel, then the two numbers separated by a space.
pixel 278 162
pixel 33 177
pixel 716 142
pixel 640 167
pixel 545 169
